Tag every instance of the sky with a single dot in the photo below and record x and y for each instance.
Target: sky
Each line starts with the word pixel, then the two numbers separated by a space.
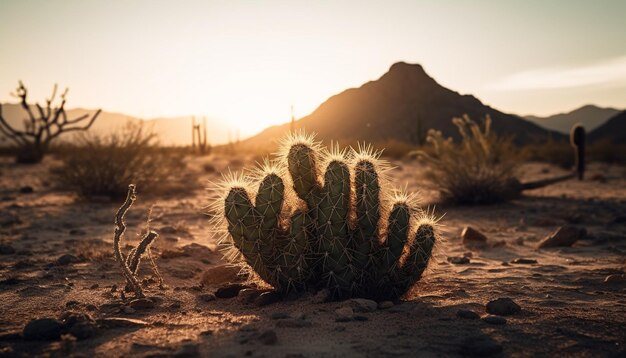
pixel 247 62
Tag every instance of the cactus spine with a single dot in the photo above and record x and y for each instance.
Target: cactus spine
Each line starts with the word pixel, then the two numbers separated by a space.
pixel 341 234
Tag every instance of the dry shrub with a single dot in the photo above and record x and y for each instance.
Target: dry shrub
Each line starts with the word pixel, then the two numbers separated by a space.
pixel 608 152
pixel 104 165
pixel 558 153
pixel 478 170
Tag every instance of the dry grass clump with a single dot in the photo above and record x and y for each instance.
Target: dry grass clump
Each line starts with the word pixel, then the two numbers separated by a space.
pixel 104 165
pixel 478 170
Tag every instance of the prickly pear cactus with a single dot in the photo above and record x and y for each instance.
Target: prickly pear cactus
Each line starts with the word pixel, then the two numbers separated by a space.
pixel 316 219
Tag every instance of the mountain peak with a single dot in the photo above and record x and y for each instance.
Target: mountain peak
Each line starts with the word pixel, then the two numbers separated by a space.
pixel 403 67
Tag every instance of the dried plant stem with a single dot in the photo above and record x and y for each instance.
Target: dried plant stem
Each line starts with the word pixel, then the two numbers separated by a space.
pixel 120 228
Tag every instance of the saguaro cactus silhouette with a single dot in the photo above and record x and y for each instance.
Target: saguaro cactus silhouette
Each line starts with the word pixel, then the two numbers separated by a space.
pixel 578 139
pixel 331 223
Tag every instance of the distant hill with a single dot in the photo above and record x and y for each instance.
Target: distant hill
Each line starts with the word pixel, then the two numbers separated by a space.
pixel 395 106
pixel 613 130
pixel 590 116
pixel 171 131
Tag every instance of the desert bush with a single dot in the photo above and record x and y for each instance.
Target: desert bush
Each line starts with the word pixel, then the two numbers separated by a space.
pixel 607 152
pixel 96 165
pixel 478 170
pixel 559 153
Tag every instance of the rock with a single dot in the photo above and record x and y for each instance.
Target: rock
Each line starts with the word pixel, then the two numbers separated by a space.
pixel 66 259
pixel 481 346
pixel 503 307
pixel 121 322
pixel 279 315
pixel 615 279
pixel 196 250
pixel 27 189
pixel 321 296
pixel 473 237
pixel 141 304
pixel 267 298
pixel 563 236
pixel 495 320
pixel 207 297
pixel 293 323
pixel 43 329
pixel 248 295
pixel 344 314
pixel 128 310
pixel 459 260
pixel 467 314
pixel 83 330
pixel 385 304
pixel 269 337
pixel 229 290
pixel 222 274
pixel 524 261
pixel 6 249
pixel 361 305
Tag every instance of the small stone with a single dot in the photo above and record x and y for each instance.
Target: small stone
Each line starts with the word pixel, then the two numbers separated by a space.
pixel 279 315
pixel 385 304
pixel 42 329
pixel 229 290
pixel 66 259
pixel 481 346
pixel 167 230
pixel 6 249
pixel 459 260
pixel 344 314
pixel 563 236
pixel 27 189
pixel 207 297
pixel 615 279
pixel 495 320
pixel 293 323
pixel 321 296
pixel 121 322
pixel 140 304
pixel 221 274
pixel 83 330
pixel 128 310
pixel 467 314
pixel 267 298
pixel 524 261
pixel 269 337
pixel 248 295
pixel 472 237
pixel 503 307
pixel 362 305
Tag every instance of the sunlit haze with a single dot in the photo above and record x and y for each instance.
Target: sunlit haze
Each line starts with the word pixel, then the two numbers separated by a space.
pixel 247 62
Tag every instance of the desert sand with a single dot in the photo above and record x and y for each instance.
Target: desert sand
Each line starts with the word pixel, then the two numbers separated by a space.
pixel 57 259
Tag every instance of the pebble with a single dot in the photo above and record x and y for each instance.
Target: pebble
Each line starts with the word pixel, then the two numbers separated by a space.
pixel 385 304
pixel 66 259
pixel 471 236
pixel 503 307
pixel 482 346
pixel 459 260
pixel 495 320
pixel 361 305
pixel 269 337
pixel 563 236
pixel 267 298
pixel 467 314
pixel 344 314
pixel 43 329
pixel 207 297
pixel 229 290
pixel 140 304
pixel 248 295
pixel 524 261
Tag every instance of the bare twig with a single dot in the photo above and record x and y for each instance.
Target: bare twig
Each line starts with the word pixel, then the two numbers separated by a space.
pixel 120 228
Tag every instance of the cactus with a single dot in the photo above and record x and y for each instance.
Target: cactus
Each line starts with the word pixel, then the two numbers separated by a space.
pixel 577 140
pixel 330 223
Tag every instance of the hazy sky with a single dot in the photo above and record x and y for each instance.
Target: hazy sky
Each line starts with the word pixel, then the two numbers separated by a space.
pixel 246 62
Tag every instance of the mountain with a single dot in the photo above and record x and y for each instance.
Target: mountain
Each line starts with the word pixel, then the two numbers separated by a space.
pixel 613 130
pixel 590 116
pixel 171 131
pixel 395 106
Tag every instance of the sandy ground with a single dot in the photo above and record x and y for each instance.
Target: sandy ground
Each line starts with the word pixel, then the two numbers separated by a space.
pixel 567 308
